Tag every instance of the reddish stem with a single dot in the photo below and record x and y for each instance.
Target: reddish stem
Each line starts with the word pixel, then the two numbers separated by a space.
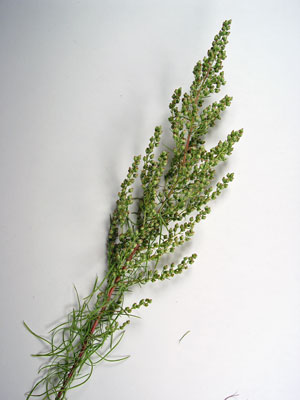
pixel 93 328
pixel 112 289
pixel 187 144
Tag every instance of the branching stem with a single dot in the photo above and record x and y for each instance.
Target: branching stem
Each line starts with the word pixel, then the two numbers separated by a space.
pixel 174 199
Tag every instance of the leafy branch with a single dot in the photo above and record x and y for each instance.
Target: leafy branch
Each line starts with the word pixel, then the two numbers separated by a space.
pixel 176 187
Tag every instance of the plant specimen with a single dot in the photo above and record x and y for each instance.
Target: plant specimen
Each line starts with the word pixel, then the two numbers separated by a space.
pixel 175 188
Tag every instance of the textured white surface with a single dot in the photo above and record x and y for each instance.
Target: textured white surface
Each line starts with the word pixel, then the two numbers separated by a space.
pixel 83 83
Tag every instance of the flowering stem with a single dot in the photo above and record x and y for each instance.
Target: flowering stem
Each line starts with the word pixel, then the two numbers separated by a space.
pixel 143 229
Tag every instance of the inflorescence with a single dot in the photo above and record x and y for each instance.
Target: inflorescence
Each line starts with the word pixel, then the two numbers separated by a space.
pixel 176 188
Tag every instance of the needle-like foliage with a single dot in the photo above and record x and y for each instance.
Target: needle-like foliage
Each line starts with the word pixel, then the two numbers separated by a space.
pixel 176 187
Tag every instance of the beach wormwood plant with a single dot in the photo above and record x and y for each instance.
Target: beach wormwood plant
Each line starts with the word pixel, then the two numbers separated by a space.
pixel 176 187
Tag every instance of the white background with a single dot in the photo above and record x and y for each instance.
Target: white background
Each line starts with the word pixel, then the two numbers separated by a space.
pixel 83 84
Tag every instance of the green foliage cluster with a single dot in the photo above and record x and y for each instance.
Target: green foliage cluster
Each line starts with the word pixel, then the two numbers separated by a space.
pixel 176 187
